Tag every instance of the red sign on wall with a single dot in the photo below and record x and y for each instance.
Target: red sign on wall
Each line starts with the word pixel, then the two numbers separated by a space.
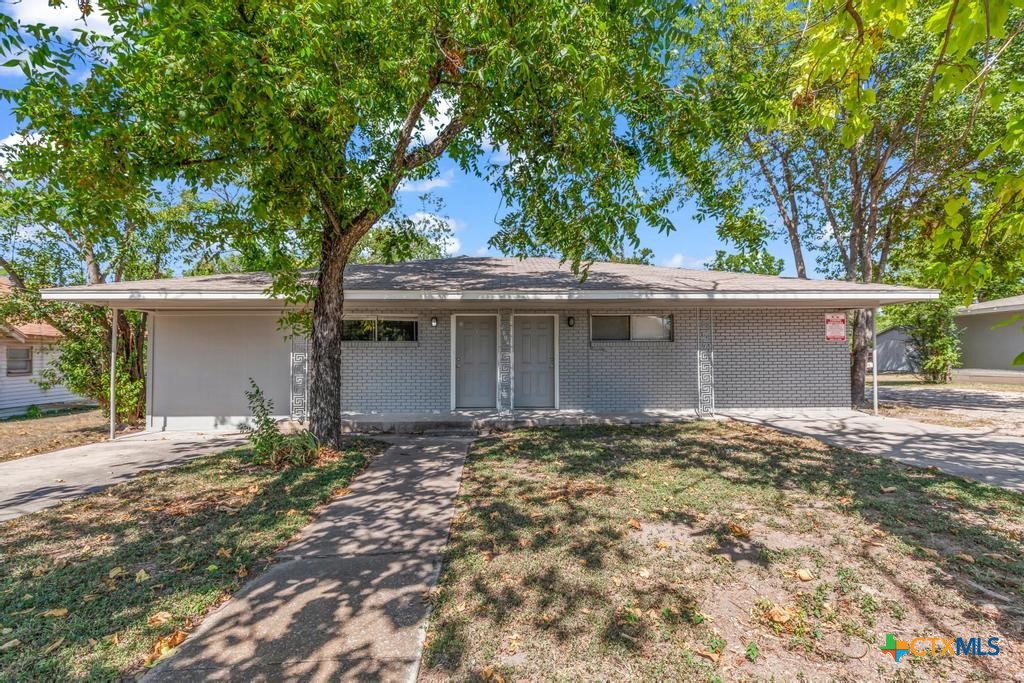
pixel 835 327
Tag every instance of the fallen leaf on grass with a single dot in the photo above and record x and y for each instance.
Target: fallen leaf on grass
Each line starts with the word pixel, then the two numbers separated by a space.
pixel 780 615
pixel 489 674
pixel 165 645
pixel 661 545
pixel 242 572
pixel 159 618
pixel 223 552
pixel 341 491
pixel 142 576
pixel 115 572
pixel 58 612
pixel 804 575
pixel 964 557
pixel 888 489
pixel 708 654
pixel 9 644
pixel 738 531
pixel 52 646
pixel 634 523
pixel 930 552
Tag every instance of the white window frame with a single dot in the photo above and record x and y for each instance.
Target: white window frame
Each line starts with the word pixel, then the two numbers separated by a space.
pixel 31 362
pixel 629 317
pixel 376 322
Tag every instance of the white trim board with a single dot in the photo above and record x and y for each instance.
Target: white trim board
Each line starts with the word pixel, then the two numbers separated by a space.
pixel 100 296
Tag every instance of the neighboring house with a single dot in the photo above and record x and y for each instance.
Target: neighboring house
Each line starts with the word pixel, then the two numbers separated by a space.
pixel 894 351
pixel 495 336
pixel 25 349
pixel 987 344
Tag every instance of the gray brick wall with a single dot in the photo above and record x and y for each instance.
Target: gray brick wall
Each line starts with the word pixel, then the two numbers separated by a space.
pixel 762 358
pixel 778 359
pixel 398 376
pixel 628 376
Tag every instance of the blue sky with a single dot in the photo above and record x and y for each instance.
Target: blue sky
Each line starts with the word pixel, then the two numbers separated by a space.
pixel 469 203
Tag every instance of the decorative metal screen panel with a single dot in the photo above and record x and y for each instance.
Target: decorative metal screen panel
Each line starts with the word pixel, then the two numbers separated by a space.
pixel 705 362
pixel 505 362
pixel 300 375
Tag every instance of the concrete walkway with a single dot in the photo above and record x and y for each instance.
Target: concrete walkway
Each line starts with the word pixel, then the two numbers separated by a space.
pixel 39 481
pixel 975 454
pixel 347 600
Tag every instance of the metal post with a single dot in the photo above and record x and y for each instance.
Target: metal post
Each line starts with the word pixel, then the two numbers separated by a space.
pixel 874 359
pixel 113 372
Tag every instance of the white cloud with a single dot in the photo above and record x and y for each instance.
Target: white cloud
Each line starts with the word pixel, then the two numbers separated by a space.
pixel 428 184
pixel 450 245
pixel 481 251
pixel 679 260
pixel 65 17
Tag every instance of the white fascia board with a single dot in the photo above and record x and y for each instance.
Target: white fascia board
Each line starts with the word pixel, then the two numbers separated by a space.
pixel 995 309
pixel 139 296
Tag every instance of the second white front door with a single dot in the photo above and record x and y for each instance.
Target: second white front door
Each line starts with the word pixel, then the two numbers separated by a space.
pixel 534 365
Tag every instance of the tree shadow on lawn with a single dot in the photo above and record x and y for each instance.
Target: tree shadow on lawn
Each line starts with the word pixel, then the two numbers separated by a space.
pixel 175 541
pixel 968 534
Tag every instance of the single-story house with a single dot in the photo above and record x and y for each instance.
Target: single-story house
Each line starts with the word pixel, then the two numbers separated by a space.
pixel 25 350
pixel 988 344
pixel 500 335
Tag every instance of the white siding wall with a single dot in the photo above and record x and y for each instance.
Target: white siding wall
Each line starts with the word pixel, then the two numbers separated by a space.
pixel 18 393
pixel 988 347
pixel 201 365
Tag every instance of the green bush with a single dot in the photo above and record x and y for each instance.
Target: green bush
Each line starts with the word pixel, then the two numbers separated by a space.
pixel 32 412
pixel 265 438
pixel 269 445
pixel 934 338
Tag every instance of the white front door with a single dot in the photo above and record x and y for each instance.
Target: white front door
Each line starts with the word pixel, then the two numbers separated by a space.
pixel 534 365
pixel 476 361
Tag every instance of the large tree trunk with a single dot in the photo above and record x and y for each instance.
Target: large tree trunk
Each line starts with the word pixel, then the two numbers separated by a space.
pixel 859 357
pixel 325 344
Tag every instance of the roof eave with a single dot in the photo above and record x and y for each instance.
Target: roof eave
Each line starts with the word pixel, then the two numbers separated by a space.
pixel 153 299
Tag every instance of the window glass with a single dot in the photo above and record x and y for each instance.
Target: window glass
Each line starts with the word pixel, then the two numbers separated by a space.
pixel 609 327
pixel 19 360
pixel 396 330
pixel 357 330
pixel 652 327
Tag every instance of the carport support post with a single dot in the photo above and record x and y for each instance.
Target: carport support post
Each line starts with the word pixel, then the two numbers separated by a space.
pixel 874 360
pixel 113 372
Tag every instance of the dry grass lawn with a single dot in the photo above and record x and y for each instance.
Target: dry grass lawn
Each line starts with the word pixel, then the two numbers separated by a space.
pixel 21 437
pixel 718 551
pixel 100 587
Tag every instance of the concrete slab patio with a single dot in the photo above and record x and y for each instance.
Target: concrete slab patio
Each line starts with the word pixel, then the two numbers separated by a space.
pixel 348 599
pixel 39 481
pixel 981 455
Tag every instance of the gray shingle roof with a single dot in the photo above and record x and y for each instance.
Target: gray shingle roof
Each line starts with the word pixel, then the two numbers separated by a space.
pixel 1009 304
pixel 528 276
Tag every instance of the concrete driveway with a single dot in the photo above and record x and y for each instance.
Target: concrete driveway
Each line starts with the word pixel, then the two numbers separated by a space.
pixel 981 455
pixel 1001 412
pixel 39 481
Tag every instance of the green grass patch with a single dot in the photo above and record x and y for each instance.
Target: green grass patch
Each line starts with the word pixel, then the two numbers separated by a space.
pixel 89 588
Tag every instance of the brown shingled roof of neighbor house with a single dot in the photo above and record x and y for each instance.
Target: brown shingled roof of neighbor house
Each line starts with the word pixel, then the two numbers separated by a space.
pixel 25 331
pixel 466 278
